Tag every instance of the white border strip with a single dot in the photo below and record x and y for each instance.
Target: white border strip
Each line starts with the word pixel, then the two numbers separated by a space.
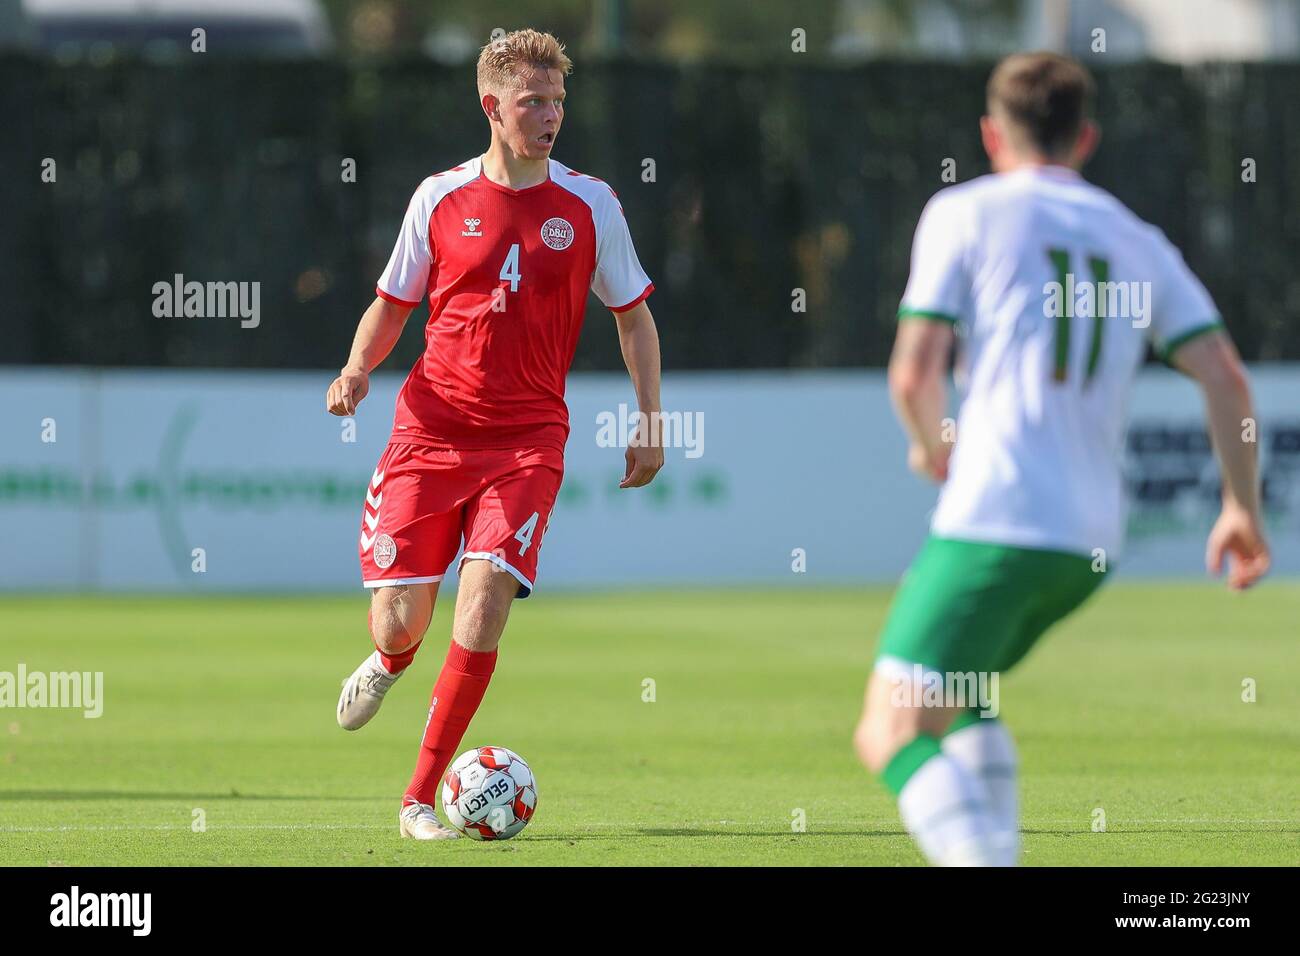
pixel 895 668
pixel 385 582
pixel 889 824
pixel 500 562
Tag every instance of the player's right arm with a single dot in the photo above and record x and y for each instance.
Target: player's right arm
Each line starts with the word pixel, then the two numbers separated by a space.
pixel 401 287
pixel 937 295
pixel 918 369
pixel 378 332
pixel 1213 362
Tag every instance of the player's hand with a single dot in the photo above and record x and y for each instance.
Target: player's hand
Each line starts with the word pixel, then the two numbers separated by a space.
pixel 643 463
pixel 930 463
pixel 1237 536
pixel 347 391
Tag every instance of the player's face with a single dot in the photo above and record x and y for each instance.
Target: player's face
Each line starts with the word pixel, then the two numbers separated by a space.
pixel 531 115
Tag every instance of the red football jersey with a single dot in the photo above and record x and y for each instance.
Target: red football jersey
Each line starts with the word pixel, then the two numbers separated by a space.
pixel 507 273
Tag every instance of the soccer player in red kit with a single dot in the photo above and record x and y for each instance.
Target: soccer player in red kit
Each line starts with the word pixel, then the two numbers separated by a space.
pixel 506 247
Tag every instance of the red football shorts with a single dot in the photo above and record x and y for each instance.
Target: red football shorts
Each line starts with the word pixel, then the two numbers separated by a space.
pixel 421 501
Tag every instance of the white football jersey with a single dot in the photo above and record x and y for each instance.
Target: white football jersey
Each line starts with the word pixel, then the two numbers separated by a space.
pixel 1055 287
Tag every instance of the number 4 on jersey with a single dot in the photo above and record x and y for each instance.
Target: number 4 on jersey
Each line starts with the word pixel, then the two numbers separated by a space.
pixel 1100 269
pixel 510 268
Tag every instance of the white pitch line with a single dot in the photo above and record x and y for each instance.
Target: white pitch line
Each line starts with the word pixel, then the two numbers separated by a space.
pixel 1080 826
pixel 232 826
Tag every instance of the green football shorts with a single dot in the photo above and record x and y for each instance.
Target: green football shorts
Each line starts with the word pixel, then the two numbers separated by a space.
pixel 976 606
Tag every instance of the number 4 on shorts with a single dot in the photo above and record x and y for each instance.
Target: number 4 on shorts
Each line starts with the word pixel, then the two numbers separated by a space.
pixel 525 534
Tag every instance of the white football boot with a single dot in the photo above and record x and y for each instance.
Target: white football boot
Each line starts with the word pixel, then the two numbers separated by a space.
pixel 363 692
pixel 418 820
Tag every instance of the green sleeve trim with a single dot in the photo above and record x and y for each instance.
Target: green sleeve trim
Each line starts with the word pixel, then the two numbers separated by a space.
pixel 908 761
pixel 906 313
pixel 1174 344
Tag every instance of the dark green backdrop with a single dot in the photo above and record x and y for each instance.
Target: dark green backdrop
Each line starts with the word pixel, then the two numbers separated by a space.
pixel 767 180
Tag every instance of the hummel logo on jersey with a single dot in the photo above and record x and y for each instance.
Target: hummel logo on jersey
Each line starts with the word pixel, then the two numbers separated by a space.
pixel 471 227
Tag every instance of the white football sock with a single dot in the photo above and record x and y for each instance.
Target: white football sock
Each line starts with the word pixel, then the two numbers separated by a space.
pixel 986 751
pixel 944 808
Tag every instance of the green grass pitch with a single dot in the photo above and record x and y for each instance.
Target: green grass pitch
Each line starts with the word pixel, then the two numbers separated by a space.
pixel 226 706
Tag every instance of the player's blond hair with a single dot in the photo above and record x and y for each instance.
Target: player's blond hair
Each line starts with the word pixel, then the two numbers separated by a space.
pixel 503 63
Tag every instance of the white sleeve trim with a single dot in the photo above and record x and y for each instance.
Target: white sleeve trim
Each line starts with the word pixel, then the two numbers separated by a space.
pixel 406 277
pixel 617 278
pixel 938 278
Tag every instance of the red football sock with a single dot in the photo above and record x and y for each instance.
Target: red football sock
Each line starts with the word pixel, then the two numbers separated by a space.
pixel 456 696
pixel 396 663
pixel 393 663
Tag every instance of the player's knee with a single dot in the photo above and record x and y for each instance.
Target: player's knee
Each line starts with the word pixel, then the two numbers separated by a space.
pixel 885 728
pixel 482 610
pixel 393 624
pixel 862 744
pixel 874 745
pixel 388 633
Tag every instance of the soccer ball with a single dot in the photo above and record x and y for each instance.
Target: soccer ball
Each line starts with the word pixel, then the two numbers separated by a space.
pixel 489 793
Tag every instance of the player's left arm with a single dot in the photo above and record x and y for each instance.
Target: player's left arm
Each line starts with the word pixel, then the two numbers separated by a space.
pixel 918 369
pixel 639 339
pixel 1238 534
pixel 1189 334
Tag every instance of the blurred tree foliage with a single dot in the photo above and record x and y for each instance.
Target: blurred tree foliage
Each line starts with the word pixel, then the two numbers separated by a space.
pixel 768 180
pixel 736 30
